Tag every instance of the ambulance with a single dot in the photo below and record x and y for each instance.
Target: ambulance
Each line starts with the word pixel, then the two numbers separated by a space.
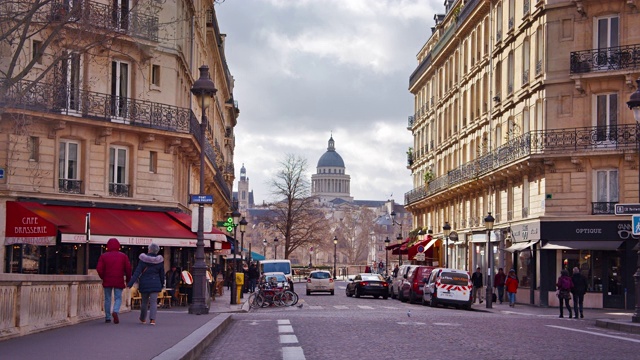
pixel 448 287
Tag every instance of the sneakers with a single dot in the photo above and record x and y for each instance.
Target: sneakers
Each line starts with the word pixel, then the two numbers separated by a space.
pixel 152 322
pixel 115 318
pixel 582 316
pixel 107 320
pixel 143 321
pixel 481 301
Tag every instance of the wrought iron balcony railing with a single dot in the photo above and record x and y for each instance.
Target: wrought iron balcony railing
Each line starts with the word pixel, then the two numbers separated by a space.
pixel 410 122
pixel 59 99
pixel 601 138
pixel 70 186
pixel 119 190
pixel 603 208
pixel 605 59
pixel 106 16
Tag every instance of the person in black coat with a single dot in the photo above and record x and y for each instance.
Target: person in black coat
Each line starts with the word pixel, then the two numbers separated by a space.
pixel 150 277
pixel 476 280
pixel 578 291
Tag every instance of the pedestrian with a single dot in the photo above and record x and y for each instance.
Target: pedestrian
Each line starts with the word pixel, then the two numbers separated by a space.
pixel 499 280
pixel 578 291
pixel 150 276
pixel 380 268
pixel 254 274
pixel 173 281
pixel 114 268
pixel 512 287
pixel 476 280
pixel 395 271
pixel 564 285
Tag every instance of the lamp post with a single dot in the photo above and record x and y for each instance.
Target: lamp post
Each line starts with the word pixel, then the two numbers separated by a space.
pixel 243 228
pixel 488 224
pixel 335 255
pixel 275 248
pixel 386 253
pixel 446 230
pixel 634 104
pixel 393 220
pixel 204 90
pixel 235 215
pixel 399 239
pixel 264 243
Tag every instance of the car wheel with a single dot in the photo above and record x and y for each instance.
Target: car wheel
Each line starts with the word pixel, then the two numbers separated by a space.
pixel 308 292
pixel 331 292
pixel 347 292
pixel 432 302
pixel 385 297
pixel 412 298
pixel 424 303
pixel 357 293
pixel 401 296
pixel 376 296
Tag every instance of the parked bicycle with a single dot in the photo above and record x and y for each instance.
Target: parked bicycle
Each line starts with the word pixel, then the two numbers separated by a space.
pixel 271 292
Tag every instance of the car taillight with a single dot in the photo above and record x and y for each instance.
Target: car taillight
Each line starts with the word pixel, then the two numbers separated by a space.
pixel 364 283
pixel 384 284
pixel 330 280
pixel 308 280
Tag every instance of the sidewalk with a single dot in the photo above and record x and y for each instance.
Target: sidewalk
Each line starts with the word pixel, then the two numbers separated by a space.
pixel 614 319
pixel 176 336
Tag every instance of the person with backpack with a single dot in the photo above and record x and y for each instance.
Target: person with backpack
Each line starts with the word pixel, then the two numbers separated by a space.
pixel 512 287
pixel 564 285
pixel 578 291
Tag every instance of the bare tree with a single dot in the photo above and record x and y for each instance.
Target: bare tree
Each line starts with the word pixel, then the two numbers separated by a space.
pixel 294 216
pixel 354 234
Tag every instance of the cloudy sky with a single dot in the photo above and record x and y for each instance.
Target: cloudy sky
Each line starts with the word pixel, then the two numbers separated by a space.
pixel 305 69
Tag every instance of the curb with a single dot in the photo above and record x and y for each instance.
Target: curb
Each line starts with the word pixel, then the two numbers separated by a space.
pixel 624 326
pixel 192 346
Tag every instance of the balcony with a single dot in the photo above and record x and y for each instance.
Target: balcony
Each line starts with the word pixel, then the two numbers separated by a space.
pixel 56 99
pixel 613 138
pixel 70 186
pixel 606 59
pixel 603 208
pixel 119 190
pixel 525 7
pixel 105 16
pixel 410 122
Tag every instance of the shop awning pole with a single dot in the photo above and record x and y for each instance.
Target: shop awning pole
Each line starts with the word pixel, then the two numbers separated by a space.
pixel 87 233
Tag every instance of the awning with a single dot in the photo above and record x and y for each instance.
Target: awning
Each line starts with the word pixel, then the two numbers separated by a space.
pixel 520 246
pixel 425 244
pixel 257 257
pixel 401 249
pixel 581 245
pixel 130 227
pixel 186 219
pixel 26 227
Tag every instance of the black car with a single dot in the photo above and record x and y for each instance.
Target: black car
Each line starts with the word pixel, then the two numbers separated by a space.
pixel 368 284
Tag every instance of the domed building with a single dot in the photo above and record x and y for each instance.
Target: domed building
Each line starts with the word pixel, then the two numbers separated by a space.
pixel 330 180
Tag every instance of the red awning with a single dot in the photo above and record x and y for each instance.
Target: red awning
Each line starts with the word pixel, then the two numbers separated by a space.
pixel 402 248
pixel 130 227
pixel 26 227
pixel 186 219
pixel 425 245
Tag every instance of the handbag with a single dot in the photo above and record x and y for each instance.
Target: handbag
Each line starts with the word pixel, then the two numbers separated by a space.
pixel 137 282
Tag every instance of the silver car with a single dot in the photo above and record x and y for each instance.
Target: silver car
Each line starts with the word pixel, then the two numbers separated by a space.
pixel 320 281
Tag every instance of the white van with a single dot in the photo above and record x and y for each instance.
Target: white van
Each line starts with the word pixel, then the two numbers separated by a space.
pixel 448 287
pixel 269 266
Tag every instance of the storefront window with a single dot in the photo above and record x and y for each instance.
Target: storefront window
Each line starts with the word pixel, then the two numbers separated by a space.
pixel 525 268
pixel 590 264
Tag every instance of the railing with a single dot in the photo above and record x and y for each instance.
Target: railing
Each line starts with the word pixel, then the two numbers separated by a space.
pixel 106 16
pixel 119 190
pixel 538 67
pixel 54 98
pixel 525 77
pixel 70 186
pixel 410 122
pixel 525 7
pixel 409 159
pixel 603 208
pixel 466 11
pixel 444 40
pixel 511 23
pixel 498 35
pixel 605 59
pixel 616 138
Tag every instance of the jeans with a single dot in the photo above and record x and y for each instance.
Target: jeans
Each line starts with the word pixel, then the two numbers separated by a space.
pixel 500 293
pixel 252 284
pixel 477 293
pixel 512 298
pixel 577 302
pixel 566 302
pixel 107 301
pixel 153 305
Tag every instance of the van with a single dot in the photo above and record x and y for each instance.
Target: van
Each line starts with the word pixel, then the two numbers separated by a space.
pixel 269 266
pixel 411 288
pixel 448 287
pixel 396 283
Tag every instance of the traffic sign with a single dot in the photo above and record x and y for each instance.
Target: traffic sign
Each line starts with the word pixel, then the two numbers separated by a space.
pixel 200 199
pixel 419 257
pixel 627 209
pixel 636 224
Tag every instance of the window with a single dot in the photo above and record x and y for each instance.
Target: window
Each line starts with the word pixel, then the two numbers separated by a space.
pixel 512 11
pixel 118 185
pixel 153 162
pixel 510 73
pixel 155 75
pixel 525 61
pixel 606 113
pixel 67 76
pixel 119 88
pixel 606 189
pixel 68 166
pixel 606 36
pixel 34 148
pixel 120 14
pixel 499 22
pixel 36 48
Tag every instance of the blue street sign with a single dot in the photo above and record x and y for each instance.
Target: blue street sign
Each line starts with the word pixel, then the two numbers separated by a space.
pixel 1 173
pixel 420 248
pixel 200 199
pixel 636 224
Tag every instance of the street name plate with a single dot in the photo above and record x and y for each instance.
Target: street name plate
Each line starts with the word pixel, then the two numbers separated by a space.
pixel 200 199
pixel 627 209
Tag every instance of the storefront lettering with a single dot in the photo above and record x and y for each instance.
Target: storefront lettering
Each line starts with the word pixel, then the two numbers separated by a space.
pixel 140 241
pixel 30 229
pixel 588 231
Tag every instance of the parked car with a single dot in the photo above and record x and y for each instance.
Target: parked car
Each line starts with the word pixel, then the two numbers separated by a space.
pixel 396 282
pixel 448 287
pixel 367 284
pixel 274 279
pixel 320 281
pixel 411 287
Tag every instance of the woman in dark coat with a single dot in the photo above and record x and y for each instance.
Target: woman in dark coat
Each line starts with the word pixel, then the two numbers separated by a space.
pixel 150 277
pixel 578 291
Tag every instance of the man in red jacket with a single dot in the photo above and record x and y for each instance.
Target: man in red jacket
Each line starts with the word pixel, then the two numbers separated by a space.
pixel 114 269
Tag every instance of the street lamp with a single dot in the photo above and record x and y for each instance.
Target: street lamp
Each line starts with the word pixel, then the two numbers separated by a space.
pixel 393 220
pixel 446 230
pixel 264 252
pixel 243 227
pixel 275 249
pixel 204 90
pixel 386 253
pixel 236 216
pixel 488 224
pixel 335 255
pixel 399 239
pixel 634 104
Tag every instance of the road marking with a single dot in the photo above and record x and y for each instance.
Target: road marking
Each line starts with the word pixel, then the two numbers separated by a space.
pixel 446 324
pixel 341 307
pixel 365 307
pixel 283 322
pixel 285 329
pixel 411 323
pixel 292 353
pixel 390 307
pixel 315 307
pixel 288 339
pixel 595 333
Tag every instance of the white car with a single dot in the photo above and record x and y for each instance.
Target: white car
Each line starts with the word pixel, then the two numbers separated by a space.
pixel 320 281
pixel 274 279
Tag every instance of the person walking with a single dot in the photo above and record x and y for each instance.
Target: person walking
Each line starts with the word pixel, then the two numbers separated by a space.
pixel 254 274
pixel 114 269
pixel 564 285
pixel 512 287
pixel 578 291
pixel 150 277
pixel 476 280
pixel 173 281
pixel 395 271
pixel 498 281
